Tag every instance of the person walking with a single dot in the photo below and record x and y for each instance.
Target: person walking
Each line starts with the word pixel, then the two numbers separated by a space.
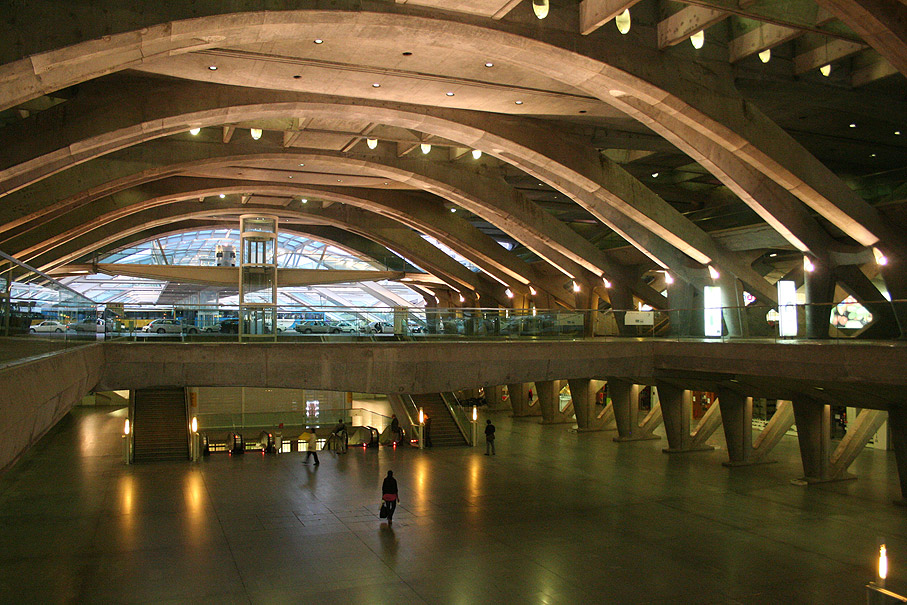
pixel 395 429
pixel 427 430
pixel 489 438
pixel 389 495
pixel 311 447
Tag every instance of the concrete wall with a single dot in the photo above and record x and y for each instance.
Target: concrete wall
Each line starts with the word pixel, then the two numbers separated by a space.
pixel 36 394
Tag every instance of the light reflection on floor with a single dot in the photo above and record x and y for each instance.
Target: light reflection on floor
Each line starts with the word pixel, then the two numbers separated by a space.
pixel 555 517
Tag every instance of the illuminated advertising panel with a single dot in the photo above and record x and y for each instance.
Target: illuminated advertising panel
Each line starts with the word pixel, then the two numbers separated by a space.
pixel 787 308
pixel 712 311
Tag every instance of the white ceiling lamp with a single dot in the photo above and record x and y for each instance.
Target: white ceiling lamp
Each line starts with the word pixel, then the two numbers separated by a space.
pixel 194 131
pixel 256 133
pixel 825 70
pixel 372 143
pixel 607 282
pixel 222 196
pixel 808 265
pixel 532 291
pixel 713 272
pixel 453 209
pixel 462 299
pixel 766 55
pixel 623 21
pixel 425 147
pixel 509 293
pixel 669 279
pixel 540 8
pixel 698 39
pixel 576 287
pixel 879 256
pixel 304 201
pixel 476 154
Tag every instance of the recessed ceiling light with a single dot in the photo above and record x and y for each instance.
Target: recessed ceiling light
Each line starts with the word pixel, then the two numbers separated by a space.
pixel 297 77
pixel 897 132
pixel 302 164
pixel 654 175
pixel 453 209
pixel 291 176
pixel 773 254
pixel 489 64
pixel 518 102
pixel 449 94
pixel 339 180
pixel 872 155
pixel 407 53
pixel 582 111
pixel 222 196
pixel 852 125
pixel 212 67
pixel 304 201
pixel 376 85
pixel 318 41
pixel 194 131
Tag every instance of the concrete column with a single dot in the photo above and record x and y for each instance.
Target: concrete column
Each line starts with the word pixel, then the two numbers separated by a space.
pixel 625 398
pixel 813 421
pixel 734 313
pixel 494 395
pixel 682 302
pixel 820 289
pixel 897 420
pixel 737 417
pixel 677 411
pixel 549 393
pixel 621 300
pixel 586 300
pixel 519 399
pixel 583 394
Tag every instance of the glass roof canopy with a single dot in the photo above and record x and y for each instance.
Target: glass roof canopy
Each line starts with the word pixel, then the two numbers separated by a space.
pixel 198 248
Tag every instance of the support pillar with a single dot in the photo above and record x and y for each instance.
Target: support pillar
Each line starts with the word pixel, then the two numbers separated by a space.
pixel 519 400
pixel 621 301
pixel 677 413
pixel 734 313
pixel 583 395
pixel 814 433
pixel 549 393
pixel 625 398
pixel 682 300
pixel 737 418
pixel 820 288
pixel 897 421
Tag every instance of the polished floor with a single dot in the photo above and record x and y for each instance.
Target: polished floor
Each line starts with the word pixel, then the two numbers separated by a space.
pixel 555 517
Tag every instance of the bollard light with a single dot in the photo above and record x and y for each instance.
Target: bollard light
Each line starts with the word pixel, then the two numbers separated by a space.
pixel 194 424
pixel 883 563
pixel 475 413
pixel 126 427
pixel 421 416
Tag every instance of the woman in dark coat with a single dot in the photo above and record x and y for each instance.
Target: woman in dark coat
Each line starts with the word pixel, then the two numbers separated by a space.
pixel 389 495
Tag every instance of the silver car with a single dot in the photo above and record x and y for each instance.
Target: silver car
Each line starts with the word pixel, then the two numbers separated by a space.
pixel 169 326
pixel 314 326
pixel 48 325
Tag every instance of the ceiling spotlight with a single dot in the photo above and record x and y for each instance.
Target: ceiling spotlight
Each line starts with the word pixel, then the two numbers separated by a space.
pixel 540 8
pixel 376 85
pixel 301 164
pixel 304 201
pixel 872 155
pixel 489 64
pixel 766 55
pixel 453 209
pixel 449 94
pixel 698 39
pixel 880 258
pixel 713 272
pixel 426 147
pixel 852 125
pixel 476 154
pixel 222 196
pixel 623 21
pixel 372 143
pixel 607 282
pixel 808 265
pixel 291 176
pixel 897 132
pixel 462 299
pixel 194 131
pixel 256 133
pixel 669 279
pixel 518 102
pixel 319 41
pixel 532 291
pixel 508 292
pixel 575 287
pixel 654 175
pixel 825 70
pixel 212 67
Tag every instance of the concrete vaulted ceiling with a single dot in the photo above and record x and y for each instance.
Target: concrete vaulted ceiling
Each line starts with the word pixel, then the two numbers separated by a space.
pixel 98 159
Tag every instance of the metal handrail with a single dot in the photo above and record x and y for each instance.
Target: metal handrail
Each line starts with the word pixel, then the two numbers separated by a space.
pixel 456 412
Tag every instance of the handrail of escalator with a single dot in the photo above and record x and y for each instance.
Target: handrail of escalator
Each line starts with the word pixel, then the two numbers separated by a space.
pixel 457 413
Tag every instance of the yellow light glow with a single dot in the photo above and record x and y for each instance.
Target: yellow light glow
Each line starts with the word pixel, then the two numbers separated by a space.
pixel 698 39
pixel 534 311
pixel 623 21
pixel 421 416
pixel 372 143
pixel 256 133
pixel 883 562
pixel 766 55
pixel 576 287
pixel 540 8
pixel 194 131
pixel 713 272
pixel 825 70
pixel 475 413
pixel 126 427
pixel 669 279
pixel 808 265
pixel 881 259
pixel 476 154
pixel 607 282
pixel 194 424
pixel 508 292
pixel 532 291
pixel 462 299
pixel 425 147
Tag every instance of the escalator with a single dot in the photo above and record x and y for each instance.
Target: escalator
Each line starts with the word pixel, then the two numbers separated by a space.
pixel 161 427
pixel 444 429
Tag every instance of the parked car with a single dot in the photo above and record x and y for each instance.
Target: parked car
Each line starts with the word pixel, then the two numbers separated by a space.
pixel 230 325
pixel 169 326
pixel 48 325
pixel 345 327
pixel 314 326
pixel 88 324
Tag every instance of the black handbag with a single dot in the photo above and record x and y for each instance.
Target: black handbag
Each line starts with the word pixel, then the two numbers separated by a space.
pixel 382 512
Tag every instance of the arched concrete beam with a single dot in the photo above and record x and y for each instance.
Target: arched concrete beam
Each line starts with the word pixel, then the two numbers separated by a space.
pixel 534 149
pixel 386 232
pixel 734 125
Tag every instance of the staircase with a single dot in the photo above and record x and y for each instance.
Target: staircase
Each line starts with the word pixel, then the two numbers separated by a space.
pixel 444 430
pixel 160 425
